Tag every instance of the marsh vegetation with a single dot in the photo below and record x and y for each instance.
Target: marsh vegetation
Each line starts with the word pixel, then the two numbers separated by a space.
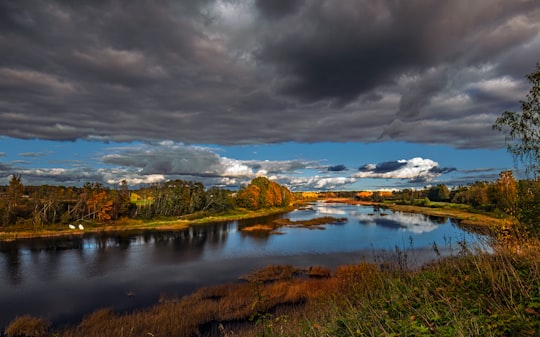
pixel 468 294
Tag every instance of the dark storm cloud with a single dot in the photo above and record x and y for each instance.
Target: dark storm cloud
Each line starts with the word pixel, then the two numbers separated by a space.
pixel 277 8
pixel 168 159
pixel 385 167
pixel 244 72
pixel 337 168
pixel 418 94
pixel 416 170
pixel 273 167
pixel 342 51
pixel 442 170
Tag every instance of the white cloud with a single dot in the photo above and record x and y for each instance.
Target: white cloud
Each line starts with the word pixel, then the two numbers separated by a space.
pixel 502 87
pixel 415 168
pixel 138 180
pixel 234 168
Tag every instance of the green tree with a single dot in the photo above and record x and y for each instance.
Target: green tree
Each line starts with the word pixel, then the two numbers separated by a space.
pixel 218 200
pixel 439 193
pixel 13 199
pixel 522 128
pixel 522 136
pixel 528 209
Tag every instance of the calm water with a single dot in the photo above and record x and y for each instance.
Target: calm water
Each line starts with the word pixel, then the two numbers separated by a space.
pixel 64 279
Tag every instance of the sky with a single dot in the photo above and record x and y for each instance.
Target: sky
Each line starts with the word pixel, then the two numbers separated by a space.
pixel 313 94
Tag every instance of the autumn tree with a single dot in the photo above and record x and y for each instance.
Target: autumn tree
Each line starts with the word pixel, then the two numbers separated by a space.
pixel 122 205
pixel 248 197
pixel 100 206
pixel 475 195
pixel 505 193
pixel 263 193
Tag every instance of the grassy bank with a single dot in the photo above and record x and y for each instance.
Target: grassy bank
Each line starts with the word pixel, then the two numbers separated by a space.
pixel 464 215
pixel 468 294
pixel 21 231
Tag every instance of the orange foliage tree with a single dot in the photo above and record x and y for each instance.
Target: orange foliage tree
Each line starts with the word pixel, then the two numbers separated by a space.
pixel 100 206
pixel 506 193
pixel 263 193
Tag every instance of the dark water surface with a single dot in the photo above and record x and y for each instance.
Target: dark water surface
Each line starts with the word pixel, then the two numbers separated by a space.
pixel 63 279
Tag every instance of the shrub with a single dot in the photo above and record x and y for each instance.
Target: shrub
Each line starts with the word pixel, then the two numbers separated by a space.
pixel 28 326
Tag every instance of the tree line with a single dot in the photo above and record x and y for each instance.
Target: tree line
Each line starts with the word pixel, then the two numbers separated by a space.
pixel 44 205
pixel 40 206
pixel 519 199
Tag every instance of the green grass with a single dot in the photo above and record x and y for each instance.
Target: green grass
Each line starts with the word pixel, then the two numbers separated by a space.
pixel 469 296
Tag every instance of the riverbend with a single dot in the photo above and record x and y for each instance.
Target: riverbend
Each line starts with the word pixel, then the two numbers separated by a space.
pixel 65 278
pixel 465 218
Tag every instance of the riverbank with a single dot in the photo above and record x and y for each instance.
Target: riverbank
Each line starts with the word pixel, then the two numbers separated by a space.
pixel 468 290
pixel 464 216
pixel 471 294
pixel 124 224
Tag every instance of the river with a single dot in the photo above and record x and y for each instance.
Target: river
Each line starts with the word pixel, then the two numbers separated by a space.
pixel 63 279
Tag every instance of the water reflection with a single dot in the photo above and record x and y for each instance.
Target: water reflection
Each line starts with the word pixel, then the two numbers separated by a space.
pixel 64 278
pixel 414 223
pixel 12 265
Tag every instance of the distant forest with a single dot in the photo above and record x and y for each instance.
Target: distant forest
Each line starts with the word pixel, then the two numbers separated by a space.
pixel 41 206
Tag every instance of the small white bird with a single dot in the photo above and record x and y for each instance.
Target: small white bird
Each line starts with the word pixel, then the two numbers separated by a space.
pixel 71 226
pixel 81 227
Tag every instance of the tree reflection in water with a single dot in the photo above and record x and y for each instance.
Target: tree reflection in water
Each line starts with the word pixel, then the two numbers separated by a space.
pixel 63 279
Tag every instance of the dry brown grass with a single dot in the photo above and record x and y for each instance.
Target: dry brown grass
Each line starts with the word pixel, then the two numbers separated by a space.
pixel 491 293
pixel 28 326
pixel 311 223
pixel 316 223
pixel 224 308
pixel 258 228
pixel 319 272
pixel 272 273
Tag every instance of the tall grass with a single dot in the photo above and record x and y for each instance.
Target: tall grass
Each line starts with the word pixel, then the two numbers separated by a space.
pixel 468 294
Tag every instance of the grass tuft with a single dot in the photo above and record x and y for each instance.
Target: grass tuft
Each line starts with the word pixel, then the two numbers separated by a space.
pixel 28 326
